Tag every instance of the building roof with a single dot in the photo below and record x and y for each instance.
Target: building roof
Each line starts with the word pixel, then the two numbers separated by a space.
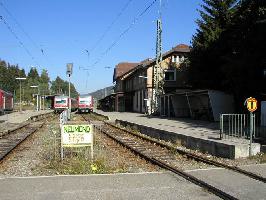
pixel 181 48
pixel 125 68
pixel 122 68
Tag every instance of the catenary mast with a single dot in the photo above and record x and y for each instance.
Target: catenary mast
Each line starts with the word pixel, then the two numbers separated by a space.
pixel 157 89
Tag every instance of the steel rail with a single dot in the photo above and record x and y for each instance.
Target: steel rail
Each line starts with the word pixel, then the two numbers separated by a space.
pixel 183 174
pixel 14 143
pixel 164 165
pixel 196 157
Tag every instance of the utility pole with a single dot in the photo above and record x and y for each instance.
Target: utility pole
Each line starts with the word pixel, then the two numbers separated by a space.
pixel 157 89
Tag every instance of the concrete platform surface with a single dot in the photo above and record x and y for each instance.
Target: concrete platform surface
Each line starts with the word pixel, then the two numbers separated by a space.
pixel 259 169
pixel 110 187
pixel 235 184
pixel 197 128
pixel 195 134
pixel 19 117
pixel 16 120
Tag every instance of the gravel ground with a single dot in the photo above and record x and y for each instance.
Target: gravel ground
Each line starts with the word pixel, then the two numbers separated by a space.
pixel 36 155
pixel 25 158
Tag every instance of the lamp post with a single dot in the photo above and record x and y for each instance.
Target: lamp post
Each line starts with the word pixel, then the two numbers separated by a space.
pixel 20 78
pixel 69 73
pixel 37 106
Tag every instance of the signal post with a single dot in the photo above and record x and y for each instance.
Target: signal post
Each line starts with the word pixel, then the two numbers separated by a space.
pixel 252 105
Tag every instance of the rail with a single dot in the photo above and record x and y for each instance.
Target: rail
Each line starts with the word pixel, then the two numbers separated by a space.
pixel 140 150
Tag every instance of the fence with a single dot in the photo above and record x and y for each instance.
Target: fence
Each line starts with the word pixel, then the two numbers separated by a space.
pixel 238 125
pixel 63 117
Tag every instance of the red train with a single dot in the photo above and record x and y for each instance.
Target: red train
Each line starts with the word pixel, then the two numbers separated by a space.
pixel 60 103
pixel 85 103
pixel 6 101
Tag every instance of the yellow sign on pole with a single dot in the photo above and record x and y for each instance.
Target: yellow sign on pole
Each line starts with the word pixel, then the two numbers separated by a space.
pixel 252 104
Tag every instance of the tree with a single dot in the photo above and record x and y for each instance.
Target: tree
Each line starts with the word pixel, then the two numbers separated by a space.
pixel 216 16
pixel 33 76
pixel 244 57
pixel 3 72
pixel 73 91
pixel 57 86
pixel 44 82
pixel 228 48
pixel 8 82
pixel 32 80
pixel 60 87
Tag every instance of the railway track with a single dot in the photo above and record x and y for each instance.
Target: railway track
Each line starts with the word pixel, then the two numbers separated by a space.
pixel 11 139
pixel 162 155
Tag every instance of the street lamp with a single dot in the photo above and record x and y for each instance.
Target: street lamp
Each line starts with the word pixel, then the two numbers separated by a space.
pixel 36 86
pixel 20 78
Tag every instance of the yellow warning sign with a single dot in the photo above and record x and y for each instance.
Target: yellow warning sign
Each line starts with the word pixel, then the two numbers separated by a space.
pixel 252 104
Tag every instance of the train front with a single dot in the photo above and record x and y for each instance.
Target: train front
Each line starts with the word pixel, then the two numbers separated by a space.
pixel 85 104
pixel 60 103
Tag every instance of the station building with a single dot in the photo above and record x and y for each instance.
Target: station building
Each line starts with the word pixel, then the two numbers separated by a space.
pixel 134 86
pixel 133 81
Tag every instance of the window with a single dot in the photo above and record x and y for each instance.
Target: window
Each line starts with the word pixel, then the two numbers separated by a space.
pixel 61 101
pixel 182 58
pixel 169 75
pixel 175 59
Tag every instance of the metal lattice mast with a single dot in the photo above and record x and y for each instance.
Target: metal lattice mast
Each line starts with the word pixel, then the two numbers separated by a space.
pixel 157 70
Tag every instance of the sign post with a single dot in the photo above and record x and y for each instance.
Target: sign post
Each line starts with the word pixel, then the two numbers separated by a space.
pixel 76 136
pixel 252 105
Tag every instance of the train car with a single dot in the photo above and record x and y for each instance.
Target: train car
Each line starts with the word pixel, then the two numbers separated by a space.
pixel 62 102
pixel 85 103
pixel 6 101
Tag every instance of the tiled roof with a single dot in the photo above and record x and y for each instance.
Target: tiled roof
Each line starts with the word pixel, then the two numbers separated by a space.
pixel 125 67
pixel 181 48
pixel 122 68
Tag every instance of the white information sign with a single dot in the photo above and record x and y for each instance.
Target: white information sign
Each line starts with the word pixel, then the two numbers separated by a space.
pixel 77 135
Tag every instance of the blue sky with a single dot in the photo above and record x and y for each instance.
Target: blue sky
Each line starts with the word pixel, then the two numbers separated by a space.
pixel 66 30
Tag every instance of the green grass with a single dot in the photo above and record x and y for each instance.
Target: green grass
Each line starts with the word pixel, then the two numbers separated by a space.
pixel 76 161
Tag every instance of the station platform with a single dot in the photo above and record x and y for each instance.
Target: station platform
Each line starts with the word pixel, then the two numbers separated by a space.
pixel 14 120
pixel 193 134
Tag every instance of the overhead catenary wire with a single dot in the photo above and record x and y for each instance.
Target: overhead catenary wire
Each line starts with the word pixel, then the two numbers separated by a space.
pixel 17 38
pixel 109 27
pixel 136 19
pixel 18 24
pixel 38 47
